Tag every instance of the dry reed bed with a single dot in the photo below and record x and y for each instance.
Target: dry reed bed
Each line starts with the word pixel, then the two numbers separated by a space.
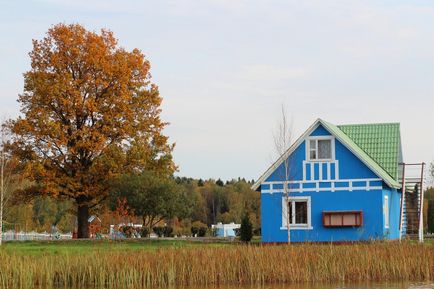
pixel 222 265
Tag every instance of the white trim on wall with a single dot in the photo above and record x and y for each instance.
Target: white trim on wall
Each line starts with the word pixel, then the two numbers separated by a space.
pixel 297 186
pixel 319 164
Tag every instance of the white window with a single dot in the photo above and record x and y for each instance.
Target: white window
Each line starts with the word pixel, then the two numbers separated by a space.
pixel 297 212
pixel 386 212
pixel 320 149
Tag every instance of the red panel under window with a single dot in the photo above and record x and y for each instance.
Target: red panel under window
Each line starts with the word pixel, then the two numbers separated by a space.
pixel 342 218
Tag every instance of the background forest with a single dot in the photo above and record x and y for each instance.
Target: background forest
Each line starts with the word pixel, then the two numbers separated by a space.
pixel 177 202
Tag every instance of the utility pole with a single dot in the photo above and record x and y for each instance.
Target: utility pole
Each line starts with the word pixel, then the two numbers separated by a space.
pixel 401 212
pixel 421 203
pixel 2 185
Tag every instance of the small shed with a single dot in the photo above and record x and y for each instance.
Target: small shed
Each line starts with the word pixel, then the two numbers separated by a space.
pixel 225 230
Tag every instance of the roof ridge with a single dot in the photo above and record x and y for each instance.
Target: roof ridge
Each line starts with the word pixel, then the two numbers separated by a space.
pixel 364 124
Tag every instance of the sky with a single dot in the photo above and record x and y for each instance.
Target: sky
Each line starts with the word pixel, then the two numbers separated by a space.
pixel 225 68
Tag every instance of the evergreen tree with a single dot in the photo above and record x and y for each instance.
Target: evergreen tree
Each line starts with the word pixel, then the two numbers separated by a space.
pixel 246 230
pixel 220 183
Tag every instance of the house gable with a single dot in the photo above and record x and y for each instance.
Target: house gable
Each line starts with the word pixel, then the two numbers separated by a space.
pixel 304 170
pixel 297 154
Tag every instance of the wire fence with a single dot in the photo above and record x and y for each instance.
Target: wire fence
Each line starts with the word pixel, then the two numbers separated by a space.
pixel 29 236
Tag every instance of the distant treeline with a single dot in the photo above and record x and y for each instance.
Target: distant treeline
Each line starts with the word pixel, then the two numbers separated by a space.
pixel 148 199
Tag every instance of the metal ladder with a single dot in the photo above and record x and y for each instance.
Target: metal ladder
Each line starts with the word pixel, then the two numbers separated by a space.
pixel 411 211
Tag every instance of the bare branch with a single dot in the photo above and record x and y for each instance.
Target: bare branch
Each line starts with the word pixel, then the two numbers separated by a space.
pixel 282 142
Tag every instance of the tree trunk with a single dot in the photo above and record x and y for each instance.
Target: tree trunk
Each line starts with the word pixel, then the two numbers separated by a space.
pixel 82 217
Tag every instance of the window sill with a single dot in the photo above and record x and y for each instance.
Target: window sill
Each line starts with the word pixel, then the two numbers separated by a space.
pixel 297 228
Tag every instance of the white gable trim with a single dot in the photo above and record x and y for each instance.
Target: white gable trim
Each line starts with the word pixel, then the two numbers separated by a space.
pixel 302 138
pixel 282 158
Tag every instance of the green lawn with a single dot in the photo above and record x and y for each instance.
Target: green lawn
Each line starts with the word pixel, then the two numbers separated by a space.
pixel 73 247
pixel 84 246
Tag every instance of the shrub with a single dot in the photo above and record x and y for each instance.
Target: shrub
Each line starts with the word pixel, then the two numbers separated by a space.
pixel 194 231
pixel 166 231
pixel 181 230
pixel 199 229
pixel 144 232
pixel 129 231
pixel 158 231
pixel 202 231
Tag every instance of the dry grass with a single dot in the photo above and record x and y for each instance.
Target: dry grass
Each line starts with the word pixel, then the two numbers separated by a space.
pixel 236 264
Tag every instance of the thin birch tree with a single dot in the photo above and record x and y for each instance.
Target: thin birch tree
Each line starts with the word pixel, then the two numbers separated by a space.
pixel 2 177
pixel 9 181
pixel 282 143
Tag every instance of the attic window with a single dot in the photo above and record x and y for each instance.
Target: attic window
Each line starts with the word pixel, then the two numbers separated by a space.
pixel 320 149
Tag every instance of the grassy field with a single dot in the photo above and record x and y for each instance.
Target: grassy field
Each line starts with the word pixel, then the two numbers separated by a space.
pixel 74 247
pixel 152 263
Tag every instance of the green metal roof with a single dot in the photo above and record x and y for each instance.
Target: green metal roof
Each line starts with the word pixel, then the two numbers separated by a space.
pixel 363 138
pixel 380 141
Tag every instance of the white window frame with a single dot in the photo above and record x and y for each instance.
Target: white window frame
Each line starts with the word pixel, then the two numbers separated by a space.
pixel 316 139
pixel 386 212
pixel 292 200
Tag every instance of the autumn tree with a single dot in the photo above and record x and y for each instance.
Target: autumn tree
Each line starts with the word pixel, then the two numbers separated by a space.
pixel 89 113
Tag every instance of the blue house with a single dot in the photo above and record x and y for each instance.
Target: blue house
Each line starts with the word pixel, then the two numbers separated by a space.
pixel 342 185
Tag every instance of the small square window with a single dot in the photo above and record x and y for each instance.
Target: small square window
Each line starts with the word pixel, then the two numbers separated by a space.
pixel 320 149
pixel 296 212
